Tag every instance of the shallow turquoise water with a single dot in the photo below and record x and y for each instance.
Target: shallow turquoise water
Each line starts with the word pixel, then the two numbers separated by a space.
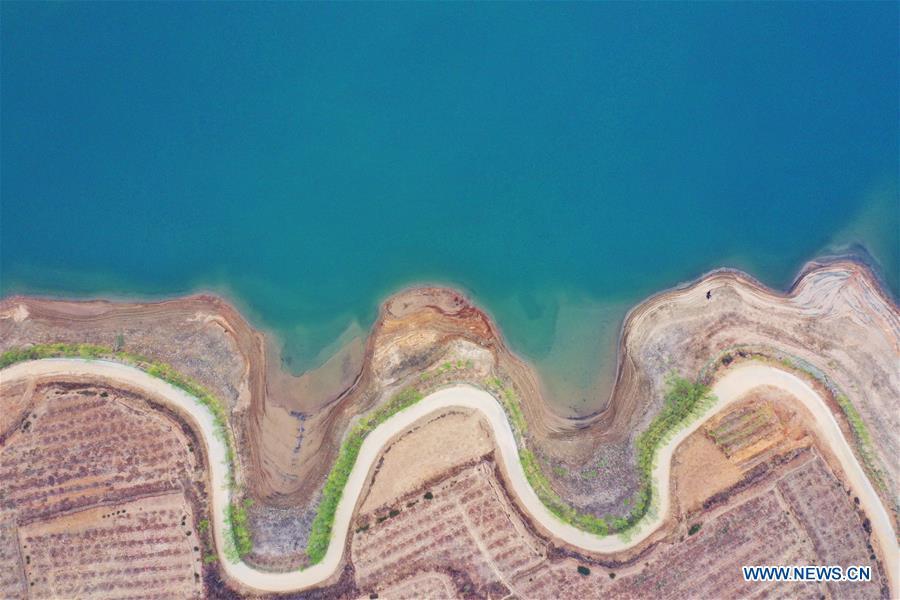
pixel 559 162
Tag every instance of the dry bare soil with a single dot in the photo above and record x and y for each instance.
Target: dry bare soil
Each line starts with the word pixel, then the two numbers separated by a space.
pixel 769 498
pixel 836 322
pixel 100 496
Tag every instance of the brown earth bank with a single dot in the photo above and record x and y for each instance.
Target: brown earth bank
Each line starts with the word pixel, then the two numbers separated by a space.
pixel 835 321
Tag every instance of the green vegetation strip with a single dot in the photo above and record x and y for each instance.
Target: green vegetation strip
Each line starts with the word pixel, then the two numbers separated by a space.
pixel 510 402
pixel 237 517
pixel 861 434
pixel 685 401
pixel 322 525
pixel 863 439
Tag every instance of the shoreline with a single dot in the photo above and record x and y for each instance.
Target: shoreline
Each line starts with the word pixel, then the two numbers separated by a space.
pixel 610 358
pixel 728 389
pixel 261 390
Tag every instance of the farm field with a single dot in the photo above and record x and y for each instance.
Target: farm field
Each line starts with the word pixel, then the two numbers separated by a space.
pixel 143 548
pixel 463 525
pixel 98 497
pixel 766 423
pixel 758 531
pixel 749 435
pixel 781 504
pixel 426 585
pixel 438 516
pixel 427 451
pixel 449 300
pixel 839 534
pixel 287 430
pixel 12 566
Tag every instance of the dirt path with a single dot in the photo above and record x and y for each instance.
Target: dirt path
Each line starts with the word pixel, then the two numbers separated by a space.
pixel 731 387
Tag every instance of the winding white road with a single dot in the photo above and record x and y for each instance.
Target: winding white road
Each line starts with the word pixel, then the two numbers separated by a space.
pixel 730 387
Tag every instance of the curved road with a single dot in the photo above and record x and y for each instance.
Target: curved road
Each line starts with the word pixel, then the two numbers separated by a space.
pixel 733 385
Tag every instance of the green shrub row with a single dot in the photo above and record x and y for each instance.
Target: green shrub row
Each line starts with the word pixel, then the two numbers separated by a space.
pixel 510 401
pixel 446 367
pixel 16 355
pixel 320 536
pixel 685 401
pixel 863 439
pixel 237 520
pixel 534 473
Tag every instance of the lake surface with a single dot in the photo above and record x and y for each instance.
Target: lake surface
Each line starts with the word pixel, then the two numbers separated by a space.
pixel 558 162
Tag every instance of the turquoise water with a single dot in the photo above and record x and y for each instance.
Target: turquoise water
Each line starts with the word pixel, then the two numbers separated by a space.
pixel 559 162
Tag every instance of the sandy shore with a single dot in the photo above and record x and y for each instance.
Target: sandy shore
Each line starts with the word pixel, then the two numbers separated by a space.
pixel 728 389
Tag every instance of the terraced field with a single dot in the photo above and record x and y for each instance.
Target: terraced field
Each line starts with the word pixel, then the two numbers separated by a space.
pixel 747 432
pixel 288 430
pixel 839 534
pixel 80 446
pixel 426 585
pixel 708 564
pixel 143 548
pixel 13 583
pixel 461 533
pixel 473 535
pixel 462 524
pixel 93 502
